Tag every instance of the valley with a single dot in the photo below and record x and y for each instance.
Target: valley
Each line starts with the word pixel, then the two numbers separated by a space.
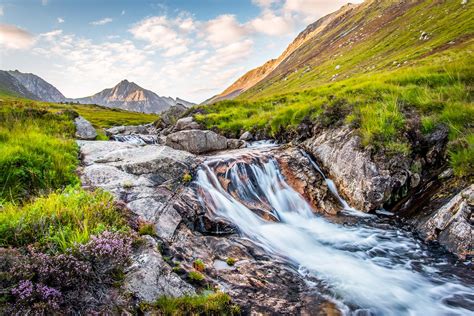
pixel 335 179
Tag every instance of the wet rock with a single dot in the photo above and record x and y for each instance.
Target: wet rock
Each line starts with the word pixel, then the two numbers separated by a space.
pixel 84 129
pixel 132 129
pixel 451 224
pixel 306 180
pixel 235 143
pixel 247 136
pixel 186 123
pixel 150 277
pixel 196 141
pixel 356 175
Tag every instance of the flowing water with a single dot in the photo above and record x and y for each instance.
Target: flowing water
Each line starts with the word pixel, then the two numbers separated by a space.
pixel 363 267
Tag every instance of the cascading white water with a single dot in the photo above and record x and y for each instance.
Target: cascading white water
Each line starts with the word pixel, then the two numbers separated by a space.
pixel 382 271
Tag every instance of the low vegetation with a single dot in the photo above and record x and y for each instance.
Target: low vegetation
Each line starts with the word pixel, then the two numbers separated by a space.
pixel 231 261
pixel 381 107
pixel 61 247
pixel 209 303
pixel 196 277
pixel 199 265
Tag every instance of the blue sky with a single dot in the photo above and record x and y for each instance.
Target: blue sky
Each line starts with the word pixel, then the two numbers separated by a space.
pixel 190 49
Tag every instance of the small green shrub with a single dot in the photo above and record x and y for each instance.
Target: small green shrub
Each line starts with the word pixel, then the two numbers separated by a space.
pixel 462 157
pixel 146 229
pixel 199 265
pixel 195 276
pixel 205 304
pixel 230 261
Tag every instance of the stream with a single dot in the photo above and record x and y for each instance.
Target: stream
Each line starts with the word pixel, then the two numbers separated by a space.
pixel 363 263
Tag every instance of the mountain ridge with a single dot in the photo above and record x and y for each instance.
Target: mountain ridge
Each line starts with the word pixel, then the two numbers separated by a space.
pixel 38 86
pixel 127 95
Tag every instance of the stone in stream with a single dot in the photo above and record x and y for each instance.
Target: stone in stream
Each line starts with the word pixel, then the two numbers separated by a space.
pixel 451 224
pixel 84 129
pixel 196 141
pixel 247 136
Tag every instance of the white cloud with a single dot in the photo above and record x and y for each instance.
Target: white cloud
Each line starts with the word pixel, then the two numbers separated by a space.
pixel 227 55
pixel 224 29
pixel 270 24
pixel 160 32
pixel 123 12
pixel 44 2
pixel 311 10
pixel 12 37
pixel 1 10
pixel 101 22
pixel 60 20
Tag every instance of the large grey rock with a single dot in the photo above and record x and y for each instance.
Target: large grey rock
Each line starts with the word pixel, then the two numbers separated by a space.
pixel 150 277
pixel 84 129
pixel 351 168
pixel 451 224
pixel 186 123
pixel 196 141
pixel 247 136
pixel 235 143
pixel 144 177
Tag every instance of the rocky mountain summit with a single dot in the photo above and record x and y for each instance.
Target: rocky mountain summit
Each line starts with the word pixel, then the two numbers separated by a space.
pixel 43 90
pixel 129 96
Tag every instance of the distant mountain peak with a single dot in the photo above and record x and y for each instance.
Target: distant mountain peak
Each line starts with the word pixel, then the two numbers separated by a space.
pixel 130 96
pixel 37 86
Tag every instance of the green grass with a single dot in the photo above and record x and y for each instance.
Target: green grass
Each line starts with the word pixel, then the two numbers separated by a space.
pixel 199 265
pixel 60 221
pixel 378 106
pixel 146 229
pixel 195 276
pixel 38 153
pixel 205 304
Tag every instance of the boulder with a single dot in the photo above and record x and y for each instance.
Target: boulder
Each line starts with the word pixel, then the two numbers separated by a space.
pixel 130 130
pixel 196 141
pixel 235 143
pixel 451 225
pixel 186 123
pixel 171 115
pixel 84 129
pixel 150 277
pixel 247 136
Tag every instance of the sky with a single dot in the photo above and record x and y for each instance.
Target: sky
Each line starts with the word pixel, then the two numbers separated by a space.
pixel 189 49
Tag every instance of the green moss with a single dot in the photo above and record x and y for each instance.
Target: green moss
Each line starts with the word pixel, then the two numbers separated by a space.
pixel 187 178
pixel 206 304
pixel 230 261
pixel 195 276
pixel 60 220
pixel 146 229
pixel 199 265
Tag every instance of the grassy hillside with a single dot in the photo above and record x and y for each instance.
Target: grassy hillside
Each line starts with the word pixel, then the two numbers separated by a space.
pixel 372 71
pixel 38 153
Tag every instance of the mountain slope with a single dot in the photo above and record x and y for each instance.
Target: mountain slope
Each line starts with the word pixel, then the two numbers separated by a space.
pixel 373 36
pixel 390 71
pixel 10 85
pixel 129 96
pixel 43 90
pixel 256 75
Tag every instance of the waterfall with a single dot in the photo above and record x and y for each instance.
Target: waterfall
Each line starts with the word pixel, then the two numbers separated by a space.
pixel 363 268
pixel 136 139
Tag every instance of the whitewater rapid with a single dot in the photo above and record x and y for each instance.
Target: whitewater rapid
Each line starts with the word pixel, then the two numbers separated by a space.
pixel 362 268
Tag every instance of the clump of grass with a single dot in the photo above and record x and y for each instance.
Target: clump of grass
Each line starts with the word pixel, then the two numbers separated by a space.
pixel 199 265
pixel 230 261
pixel 462 158
pixel 218 303
pixel 196 277
pixel 60 221
pixel 146 229
pixel 187 177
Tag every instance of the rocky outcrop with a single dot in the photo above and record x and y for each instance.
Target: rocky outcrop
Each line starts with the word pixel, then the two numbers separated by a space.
pixel 235 143
pixel 374 180
pixel 196 141
pixel 451 224
pixel 84 129
pixel 150 277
